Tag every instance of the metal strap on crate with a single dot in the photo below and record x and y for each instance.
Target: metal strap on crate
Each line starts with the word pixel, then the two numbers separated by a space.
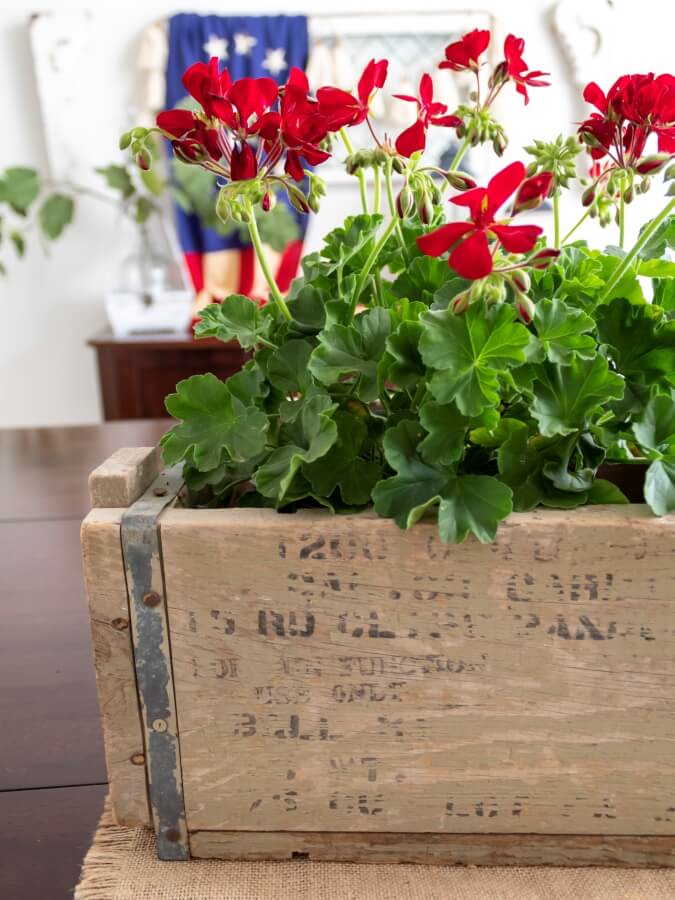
pixel 152 659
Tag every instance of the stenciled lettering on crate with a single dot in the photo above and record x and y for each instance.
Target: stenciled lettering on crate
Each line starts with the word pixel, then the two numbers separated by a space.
pixel 333 674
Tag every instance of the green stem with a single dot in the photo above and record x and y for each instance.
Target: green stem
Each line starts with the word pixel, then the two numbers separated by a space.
pixel 374 253
pixel 392 206
pixel 376 189
pixel 622 221
pixel 359 173
pixel 556 221
pixel 574 228
pixel 264 265
pixel 463 147
pixel 627 261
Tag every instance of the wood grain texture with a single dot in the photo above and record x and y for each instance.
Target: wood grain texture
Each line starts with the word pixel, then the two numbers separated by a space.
pixel 50 731
pixel 123 477
pixel 334 674
pixel 114 661
pixel 45 835
pixel 438 849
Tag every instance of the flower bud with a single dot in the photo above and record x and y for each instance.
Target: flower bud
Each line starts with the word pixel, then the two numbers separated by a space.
pixel 435 194
pixel 521 280
pixel 461 303
pixel 544 258
pixel 645 184
pixel 139 132
pixel 525 308
pixel 189 150
pixel 143 160
pixel 379 157
pixel 398 165
pixel 425 208
pixel 313 203
pixel 500 74
pixel 267 202
pixel 628 194
pixel 125 140
pixel 298 199
pixel 459 181
pixel 588 196
pixel 671 190
pixel 650 165
pixel 669 173
pixel 405 202
pixel 532 191
pixel 499 144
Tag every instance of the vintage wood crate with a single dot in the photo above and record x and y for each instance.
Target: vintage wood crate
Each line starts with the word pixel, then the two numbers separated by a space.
pixel 329 687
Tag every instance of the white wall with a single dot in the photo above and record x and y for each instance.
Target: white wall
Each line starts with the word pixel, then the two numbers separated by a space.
pixel 50 305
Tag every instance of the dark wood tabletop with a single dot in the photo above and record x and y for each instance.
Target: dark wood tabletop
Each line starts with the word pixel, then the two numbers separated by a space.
pixel 52 770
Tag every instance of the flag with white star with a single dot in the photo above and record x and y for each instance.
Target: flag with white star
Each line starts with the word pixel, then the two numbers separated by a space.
pixel 250 46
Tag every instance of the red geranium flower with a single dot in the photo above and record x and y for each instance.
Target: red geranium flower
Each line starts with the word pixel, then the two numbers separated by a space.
pixel 633 108
pixel 190 133
pixel 301 126
pixel 342 108
pixel 532 192
pixel 516 67
pixel 206 83
pixel 428 113
pixel 464 53
pixel 243 162
pixel 471 256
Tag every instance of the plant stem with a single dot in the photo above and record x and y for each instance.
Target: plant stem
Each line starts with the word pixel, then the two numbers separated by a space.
pixel 622 221
pixel 556 220
pixel 574 228
pixel 463 147
pixel 376 189
pixel 627 261
pixel 264 265
pixel 392 206
pixel 374 253
pixel 359 173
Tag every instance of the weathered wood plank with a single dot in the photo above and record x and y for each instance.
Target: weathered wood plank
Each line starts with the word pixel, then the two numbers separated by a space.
pixel 334 674
pixel 438 849
pixel 113 657
pixel 123 477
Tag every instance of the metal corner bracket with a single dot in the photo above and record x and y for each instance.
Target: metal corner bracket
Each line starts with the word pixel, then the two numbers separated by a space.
pixel 152 659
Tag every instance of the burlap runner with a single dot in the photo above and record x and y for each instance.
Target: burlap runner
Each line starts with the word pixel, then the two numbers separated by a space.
pixel 121 865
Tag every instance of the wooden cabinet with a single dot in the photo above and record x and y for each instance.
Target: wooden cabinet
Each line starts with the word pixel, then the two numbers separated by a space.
pixel 137 372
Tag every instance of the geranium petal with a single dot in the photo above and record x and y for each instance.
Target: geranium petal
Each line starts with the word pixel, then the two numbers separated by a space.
pixel 426 89
pixel 503 184
pixel 176 122
pixel 436 242
pixel 412 139
pixel 595 95
pixel 472 258
pixel 517 238
pixel 473 199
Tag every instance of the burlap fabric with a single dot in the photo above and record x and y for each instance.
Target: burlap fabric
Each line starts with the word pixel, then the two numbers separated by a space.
pixel 121 865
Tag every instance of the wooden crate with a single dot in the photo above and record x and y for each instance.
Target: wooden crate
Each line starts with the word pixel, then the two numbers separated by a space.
pixel 333 688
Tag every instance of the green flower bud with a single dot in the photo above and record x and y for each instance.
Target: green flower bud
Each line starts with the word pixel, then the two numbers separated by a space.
pixel 669 174
pixel 125 140
pixel 588 196
pixel 398 165
pixel 499 144
pixel 628 194
pixel 405 202
pixel 461 303
pixel 521 280
pixel 650 165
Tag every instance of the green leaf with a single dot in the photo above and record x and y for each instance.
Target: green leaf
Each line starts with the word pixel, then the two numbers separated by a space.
pixel 664 293
pixel 603 491
pixel 405 366
pixel 473 504
pixel 348 246
pixel 446 433
pixel 654 428
pixel 563 331
pixel 214 421
pixel 565 397
pixel 20 187
pixel 343 467
pixel 237 318
pixel 660 486
pixel 406 496
pixel 143 209
pixel 467 503
pixel 640 341
pixel 353 350
pixel 661 240
pixel 287 367
pixel 118 178
pixel 55 213
pixel 307 306
pixel 470 351
pixel 421 279
pixel 448 291
pixel 656 268
pixel 308 437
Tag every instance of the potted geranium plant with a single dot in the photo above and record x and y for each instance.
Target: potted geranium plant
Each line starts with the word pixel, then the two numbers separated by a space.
pixel 304 677
pixel 475 366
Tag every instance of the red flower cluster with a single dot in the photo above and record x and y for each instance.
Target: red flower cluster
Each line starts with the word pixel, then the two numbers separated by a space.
pixel 285 120
pixel 635 107
pixel 428 113
pixel 517 70
pixel 472 256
